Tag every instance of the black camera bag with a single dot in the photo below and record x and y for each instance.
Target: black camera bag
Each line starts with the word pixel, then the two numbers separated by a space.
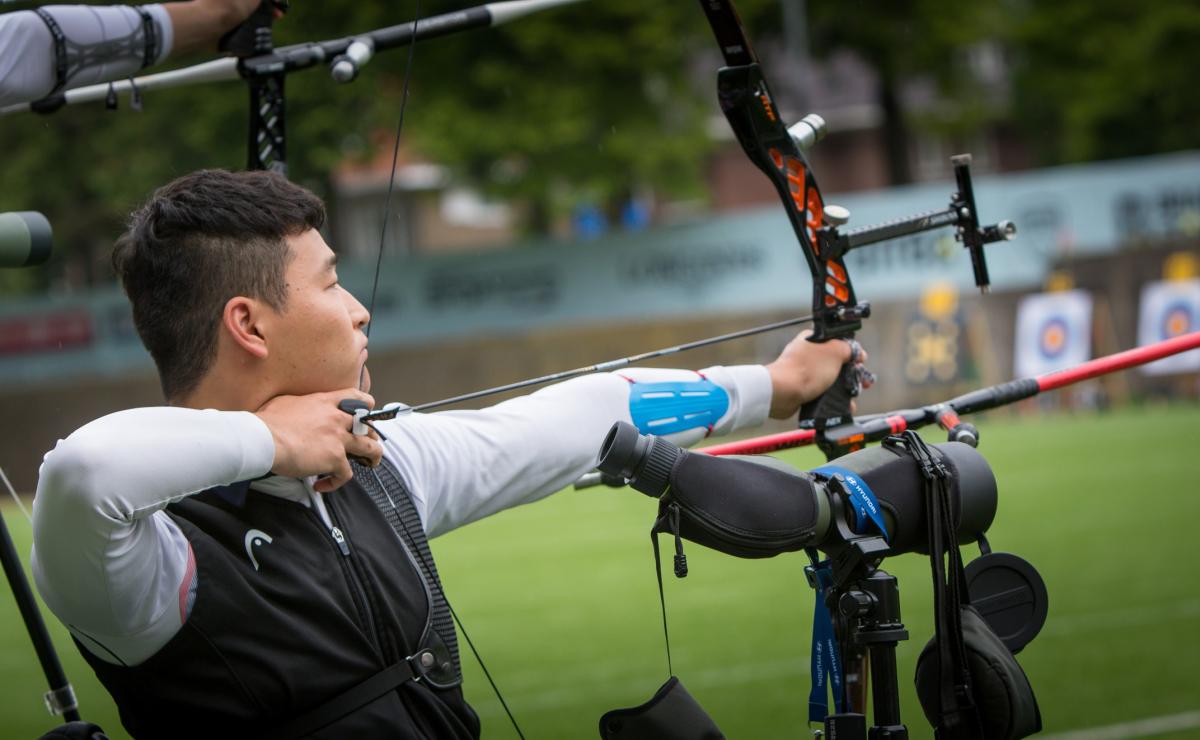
pixel 671 714
pixel 1000 690
pixel 969 684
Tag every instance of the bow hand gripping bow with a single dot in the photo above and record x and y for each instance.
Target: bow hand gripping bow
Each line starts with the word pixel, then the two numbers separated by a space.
pixel 778 151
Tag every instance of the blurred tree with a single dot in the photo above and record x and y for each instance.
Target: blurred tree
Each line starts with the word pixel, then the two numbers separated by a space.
pixel 903 40
pixel 586 104
pixel 595 102
pixel 591 102
pixel 1097 79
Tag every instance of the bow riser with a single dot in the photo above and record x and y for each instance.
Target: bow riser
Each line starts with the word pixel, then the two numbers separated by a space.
pixel 753 115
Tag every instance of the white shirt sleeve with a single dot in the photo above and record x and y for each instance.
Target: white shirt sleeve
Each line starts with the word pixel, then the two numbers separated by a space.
pixel 27 62
pixel 110 563
pixel 106 559
pixel 461 466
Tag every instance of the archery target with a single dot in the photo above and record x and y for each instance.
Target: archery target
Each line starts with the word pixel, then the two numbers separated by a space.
pixel 1053 338
pixel 1170 309
pixel 1054 331
pixel 1179 319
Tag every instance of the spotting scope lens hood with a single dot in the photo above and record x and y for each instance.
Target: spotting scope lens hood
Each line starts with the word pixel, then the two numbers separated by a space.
pixel 644 460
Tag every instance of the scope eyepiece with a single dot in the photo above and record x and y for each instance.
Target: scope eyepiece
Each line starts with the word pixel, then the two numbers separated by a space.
pixel 644 460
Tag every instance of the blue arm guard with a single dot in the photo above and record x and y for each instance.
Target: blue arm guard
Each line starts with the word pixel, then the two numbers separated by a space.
pixel 665 408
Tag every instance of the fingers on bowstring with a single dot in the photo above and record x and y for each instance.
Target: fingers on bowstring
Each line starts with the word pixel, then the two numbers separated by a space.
pixel 365 450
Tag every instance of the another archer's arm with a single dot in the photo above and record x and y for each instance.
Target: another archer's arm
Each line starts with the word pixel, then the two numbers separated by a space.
pixel 200 24
pixel 60 47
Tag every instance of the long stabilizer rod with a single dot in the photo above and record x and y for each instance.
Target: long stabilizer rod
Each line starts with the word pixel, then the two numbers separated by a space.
pixel 299 56
pixel 876 427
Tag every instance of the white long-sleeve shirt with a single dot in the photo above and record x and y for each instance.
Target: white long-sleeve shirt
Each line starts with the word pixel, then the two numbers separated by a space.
pixel 112 565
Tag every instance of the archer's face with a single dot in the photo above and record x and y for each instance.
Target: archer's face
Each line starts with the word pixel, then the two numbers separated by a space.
pixel 317 344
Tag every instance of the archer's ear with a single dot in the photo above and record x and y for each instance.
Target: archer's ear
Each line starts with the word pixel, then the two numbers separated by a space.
pixel 243 320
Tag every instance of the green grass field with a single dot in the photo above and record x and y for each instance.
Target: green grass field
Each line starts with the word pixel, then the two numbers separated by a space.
pixel 560 597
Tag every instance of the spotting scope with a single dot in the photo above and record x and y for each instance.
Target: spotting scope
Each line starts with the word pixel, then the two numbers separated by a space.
pixel 25 239
pixel 754 506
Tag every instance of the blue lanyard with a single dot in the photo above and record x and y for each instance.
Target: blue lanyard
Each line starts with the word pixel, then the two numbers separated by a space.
pixel 866 506
pixel 825 660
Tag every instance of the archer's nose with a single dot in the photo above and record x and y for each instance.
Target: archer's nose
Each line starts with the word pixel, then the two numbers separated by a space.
pixel 358 312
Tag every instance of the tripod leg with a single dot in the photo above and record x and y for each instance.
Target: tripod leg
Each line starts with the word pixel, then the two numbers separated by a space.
pixel 885 698
pixel 857 678
pixel 882 633
pixel 61 697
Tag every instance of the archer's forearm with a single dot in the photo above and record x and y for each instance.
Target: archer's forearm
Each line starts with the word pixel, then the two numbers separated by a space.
pixel 464 465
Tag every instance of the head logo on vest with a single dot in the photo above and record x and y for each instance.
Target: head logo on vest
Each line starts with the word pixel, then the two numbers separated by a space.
pixel 255 537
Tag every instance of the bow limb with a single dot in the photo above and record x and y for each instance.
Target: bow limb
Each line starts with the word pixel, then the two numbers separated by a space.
pixel 748 104
pixel 754 116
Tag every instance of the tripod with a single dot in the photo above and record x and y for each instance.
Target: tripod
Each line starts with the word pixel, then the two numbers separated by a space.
pixel 864 602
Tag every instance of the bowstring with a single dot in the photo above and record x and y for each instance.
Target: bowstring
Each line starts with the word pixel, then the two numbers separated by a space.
pixel 13 492
pixel 387 201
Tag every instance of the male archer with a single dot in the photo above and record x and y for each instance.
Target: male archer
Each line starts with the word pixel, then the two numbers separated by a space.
pixel 222 564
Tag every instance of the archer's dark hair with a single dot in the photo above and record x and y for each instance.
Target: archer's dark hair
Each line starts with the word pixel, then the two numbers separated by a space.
pixel 199 241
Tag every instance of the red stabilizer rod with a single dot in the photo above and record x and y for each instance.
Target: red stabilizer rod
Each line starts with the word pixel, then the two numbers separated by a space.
pixel 763 445
pixel 1119 361
pixel 871 429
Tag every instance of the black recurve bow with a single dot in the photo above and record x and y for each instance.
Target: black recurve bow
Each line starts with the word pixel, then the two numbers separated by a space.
pixel 778 150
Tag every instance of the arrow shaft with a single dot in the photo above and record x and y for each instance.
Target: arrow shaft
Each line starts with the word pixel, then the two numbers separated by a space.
pixel 599 367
